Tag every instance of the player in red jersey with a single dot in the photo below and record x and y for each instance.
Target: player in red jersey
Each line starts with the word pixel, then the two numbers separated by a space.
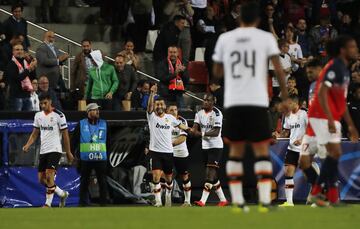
pixel 328 107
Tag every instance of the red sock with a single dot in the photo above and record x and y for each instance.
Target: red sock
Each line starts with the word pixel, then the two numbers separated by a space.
pixel 333 195
pixel 316 189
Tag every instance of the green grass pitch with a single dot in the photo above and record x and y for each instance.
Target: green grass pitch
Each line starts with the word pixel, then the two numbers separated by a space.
pixel 300 216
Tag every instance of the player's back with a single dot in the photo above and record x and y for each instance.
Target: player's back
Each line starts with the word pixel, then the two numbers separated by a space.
pixel 244 53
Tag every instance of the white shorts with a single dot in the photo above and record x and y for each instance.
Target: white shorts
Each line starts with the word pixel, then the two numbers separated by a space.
pixel 321 129
pixel 310 147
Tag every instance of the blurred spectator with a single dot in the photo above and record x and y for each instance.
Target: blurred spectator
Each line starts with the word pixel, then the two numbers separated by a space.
pixel 50 11
pixel 285 61
pixel 141 11
pixel 232 19
pixel 142 89
pixel 303 38
pixel 3 89
pixel 183 8
pixel 295 51
pixel 199 7
pixel 291 86
pixel 354 107
pixel 16 25
pixel 324 8
pixel 80 69
pixel 169 35
pixel 127 82
pixel 131 58
pixel 269 21
pixel 294 10
pixel 50 59
pixel 320 34
pixel 7 47
pixel 34 96
pixel 218 92
pixel 220 7
pixel 103 82
pixel 275 113
pixel 347 25
pixel 19 74
pixel 206 27
pixel 43 84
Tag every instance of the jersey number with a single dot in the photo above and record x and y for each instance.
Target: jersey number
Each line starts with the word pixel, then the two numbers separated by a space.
pixel 249 62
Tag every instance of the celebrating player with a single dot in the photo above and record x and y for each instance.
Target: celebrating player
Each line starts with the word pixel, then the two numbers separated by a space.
pixel 161 148
pixel 51 125
pixel 207 125
pixel 241 56
pixel 181 154
pixel 328 108
pixel 294 127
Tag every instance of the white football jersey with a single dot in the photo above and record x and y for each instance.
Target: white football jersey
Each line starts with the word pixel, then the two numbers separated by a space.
pixel 50 126
pixel 180 150
pixel 285 61
pixel 208 121
pixel 295 51
pixel 161 132
pixel 244 53
pixel 296 123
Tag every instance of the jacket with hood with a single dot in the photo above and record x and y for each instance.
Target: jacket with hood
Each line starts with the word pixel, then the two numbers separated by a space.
pixel 102 78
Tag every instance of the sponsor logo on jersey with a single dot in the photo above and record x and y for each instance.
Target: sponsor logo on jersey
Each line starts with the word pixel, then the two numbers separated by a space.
pixel 50 128
pixel 208 126
pixel 165 127
pixel 296 125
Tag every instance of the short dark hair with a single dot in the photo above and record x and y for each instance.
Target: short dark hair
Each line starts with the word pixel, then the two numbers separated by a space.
pixel 159 98
pixel 249 12
pixel 171 104
pixel 294 97
pixel 282 42
pixel 17 5
pixel 44 96
pixel 314 63
pixel 178 18
pixel 86 40
pixel 274 101
pixel 292 78
pixel 334 46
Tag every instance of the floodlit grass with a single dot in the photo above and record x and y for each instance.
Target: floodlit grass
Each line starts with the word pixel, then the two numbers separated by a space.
pixel 301 216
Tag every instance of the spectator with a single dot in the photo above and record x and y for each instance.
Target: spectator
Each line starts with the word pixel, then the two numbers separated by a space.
pixel 199 7
pixel 183 8
pixel 50 59
pixel 275 113
pixel 347 25
pixel 127 82
pixel 103 82
pixel 50 11
pixel 173 76
pixel 320 34
pixel 291 86
pixel 44 88
pixel 324 8
pixel 80 69
pixel 303 38
pixel 19 74
pixel 131 58
pixel 269 22
pixel 354 107
pixel 294 10
pixel 218 92
pixel 3 89
pixel 17 25
pixel 232 20
pixel 295 51
pixel 143 88
pixel 169 35
pixel 34 96
pixel 7 47
pixel 206 27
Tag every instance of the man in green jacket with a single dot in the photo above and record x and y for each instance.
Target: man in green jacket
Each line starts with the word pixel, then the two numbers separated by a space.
pixel 103 82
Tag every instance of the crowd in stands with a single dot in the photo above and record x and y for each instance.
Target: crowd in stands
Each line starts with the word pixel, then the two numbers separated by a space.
pixel 302 28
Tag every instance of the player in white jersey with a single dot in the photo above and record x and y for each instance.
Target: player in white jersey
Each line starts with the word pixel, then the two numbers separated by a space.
pixel 294 127
pixel 51 125
pixel 161 146
pixel 181 154
pixel 208 124
pixel 241 56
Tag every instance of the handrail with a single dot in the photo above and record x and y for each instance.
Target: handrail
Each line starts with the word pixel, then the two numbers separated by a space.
pixel 79 45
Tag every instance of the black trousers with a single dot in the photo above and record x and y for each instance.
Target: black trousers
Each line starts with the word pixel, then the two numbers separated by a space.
pixel 85 172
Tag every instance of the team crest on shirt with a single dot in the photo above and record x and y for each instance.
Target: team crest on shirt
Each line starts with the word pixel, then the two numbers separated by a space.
pixel 331 75
pixel 166 120
pixel 51 119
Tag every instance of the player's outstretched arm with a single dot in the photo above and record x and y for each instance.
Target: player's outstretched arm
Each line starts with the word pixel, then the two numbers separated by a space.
pixel 150 106
pixel 34 135
pixel 65 135
pixel 353 132
pixel 323 100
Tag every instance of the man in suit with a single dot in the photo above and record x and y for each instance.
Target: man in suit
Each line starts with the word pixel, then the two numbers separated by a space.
pixel 49 59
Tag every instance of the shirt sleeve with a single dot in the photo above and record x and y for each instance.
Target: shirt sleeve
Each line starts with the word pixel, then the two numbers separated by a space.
pixel 273 48
pixel 331 76
pixel 197 119
pixel 218 120
pixel 62 122
pixel 286 123
pixel 181 131
pixel 36 121
pixel 218 55
pixel 299 54
pixel 175 122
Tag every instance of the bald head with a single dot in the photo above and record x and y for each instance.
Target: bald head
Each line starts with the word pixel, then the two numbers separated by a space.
pixel 49 36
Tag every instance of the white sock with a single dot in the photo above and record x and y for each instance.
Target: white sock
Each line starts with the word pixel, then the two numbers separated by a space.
pixel 263 171
pixel 234 171
pixel 157 193
pixel 168 189
pixel 219 192
pixel 59 191
pixel 187 192
pixel 206 192
pixel 289 189
pixel 49 196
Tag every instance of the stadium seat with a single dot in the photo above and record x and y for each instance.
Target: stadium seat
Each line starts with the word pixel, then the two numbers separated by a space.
pixel 198 74
pixel 199 54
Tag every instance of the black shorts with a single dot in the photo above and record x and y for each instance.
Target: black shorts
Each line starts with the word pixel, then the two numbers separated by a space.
pixel 292 158
pixel 49 161
pixel 181 165
pixel 162 161
pixel 212 157
pixel 247 124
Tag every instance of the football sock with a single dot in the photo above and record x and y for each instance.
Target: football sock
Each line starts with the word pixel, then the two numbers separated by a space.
pixel 59 191
pixel 263 171
pixel 187 190
pixel 289 189
pixel 206 191
pixel 333 193
pixel 49 195
pixel 234 171
pixel 157 192
pixel 169 186
pixel 219 192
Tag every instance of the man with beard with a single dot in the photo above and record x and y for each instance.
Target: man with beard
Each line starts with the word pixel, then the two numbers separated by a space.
pixel 80 69
pixel 161 148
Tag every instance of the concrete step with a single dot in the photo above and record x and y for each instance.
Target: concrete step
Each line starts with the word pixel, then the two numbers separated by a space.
pixel 66 14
